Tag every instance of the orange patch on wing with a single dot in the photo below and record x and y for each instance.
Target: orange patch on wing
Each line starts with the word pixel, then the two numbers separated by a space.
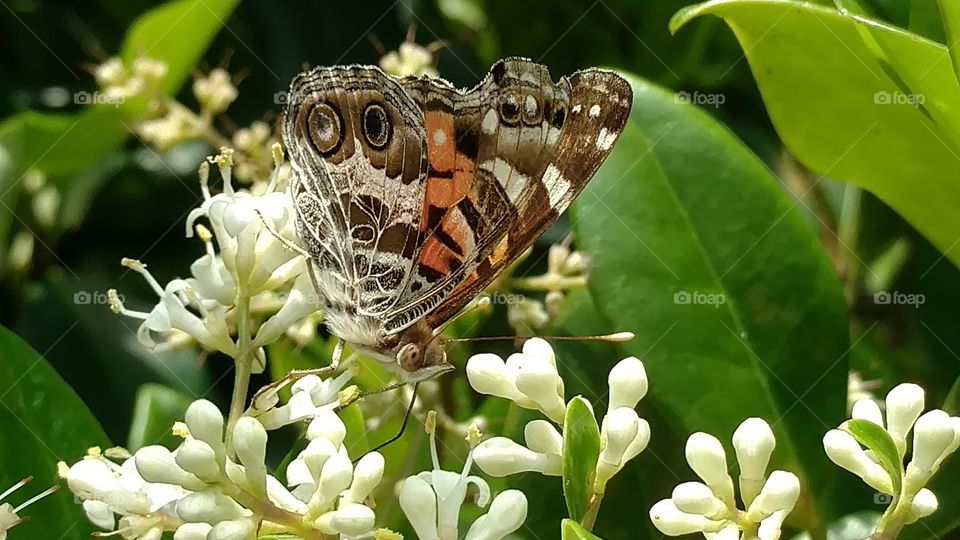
pixel 441 145
pixel 500 250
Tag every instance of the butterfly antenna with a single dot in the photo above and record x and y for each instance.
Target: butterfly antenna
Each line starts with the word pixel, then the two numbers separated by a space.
pixel 617 337
pixel 403 426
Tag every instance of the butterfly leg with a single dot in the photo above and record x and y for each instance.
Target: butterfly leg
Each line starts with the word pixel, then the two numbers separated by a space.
pixel 297 374
pixel 286 243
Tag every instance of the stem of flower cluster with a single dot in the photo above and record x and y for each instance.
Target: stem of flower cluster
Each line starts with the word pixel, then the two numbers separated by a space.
pixel 242 366
pixel 291 521
pixel 593 508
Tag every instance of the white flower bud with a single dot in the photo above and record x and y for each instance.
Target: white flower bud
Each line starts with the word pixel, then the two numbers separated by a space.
pixel 507 513
pixel 196 457
pixel 488 374
pixel 932 435
pixel 904 405
pixel 366 476
pixel 617 432
pixel 924 504
pixel 753 442
pixel 844 450
pixel 669 520
pixel 501 456
pixel 336 476
pixel 867 409
pixel 215 91
pixel 250 442
pixel 539 381
pixel 539 349
pixel 628 383
pixel 239 529
pixel 327 425
pixel 769 528
pixel 707 458
pixel 206 423
pixel 157 464
pixel 780 492
pixel 207 507
pixel 955 422
pixel 697 498
pixel 350 520
pixel 419 504
pixel 192 531
pixel 727 532
pixel 99 513
pixel 541 436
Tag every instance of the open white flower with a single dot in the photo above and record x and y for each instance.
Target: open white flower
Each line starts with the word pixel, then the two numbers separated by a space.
pixel 710 506
pixel 936 435
pixel 431 501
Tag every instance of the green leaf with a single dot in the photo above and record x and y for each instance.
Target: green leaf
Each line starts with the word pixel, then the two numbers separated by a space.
pixel 879 442
pixel 571 530
pixel 857 100
pixel 736 310
pixel 950 16
pixel 356 440
pixel 155 410
pixel 581 448
pixel 43 422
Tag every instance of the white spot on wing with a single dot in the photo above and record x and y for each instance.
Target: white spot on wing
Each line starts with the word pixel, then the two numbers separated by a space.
pixel 530 105
pixel 439 137
pixel 489 123
pixel 605 139
pixel 594 111
pixel 557 186
pixel 576 108
pixel 512 181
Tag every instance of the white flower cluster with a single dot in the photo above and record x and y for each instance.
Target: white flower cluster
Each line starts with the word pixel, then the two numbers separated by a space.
pixel 409 60
pixel 431 500
pixel 530 379
pixel 141 78
pixel 710 506
pixel 200 492
pixel 249 270
pixel 936 435
pixel 566 270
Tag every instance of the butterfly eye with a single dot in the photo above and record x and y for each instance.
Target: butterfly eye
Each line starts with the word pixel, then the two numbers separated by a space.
pixel 510 108
pixel 409 357
pixel 325 128
pixel 376 126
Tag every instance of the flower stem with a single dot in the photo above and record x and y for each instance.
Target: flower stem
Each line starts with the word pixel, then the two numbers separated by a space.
pixel 593 508
pixel 243 365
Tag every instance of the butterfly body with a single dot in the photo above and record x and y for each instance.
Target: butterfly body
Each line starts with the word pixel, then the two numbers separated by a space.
pixel 411 195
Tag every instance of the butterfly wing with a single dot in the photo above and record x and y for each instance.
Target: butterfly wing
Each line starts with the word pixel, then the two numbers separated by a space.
pixel 505 159
pixel 355 141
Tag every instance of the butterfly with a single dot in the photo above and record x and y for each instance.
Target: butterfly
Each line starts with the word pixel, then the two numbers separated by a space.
pixel 411 195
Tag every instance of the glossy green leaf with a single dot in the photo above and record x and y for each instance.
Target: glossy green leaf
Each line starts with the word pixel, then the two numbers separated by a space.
pixel 43 422
pixel 858 101
pixel 737 312
pixel 155 410
pixel 581 448
pixel 356 440
pixel 876 439
pixel 950 17
pixel 571 530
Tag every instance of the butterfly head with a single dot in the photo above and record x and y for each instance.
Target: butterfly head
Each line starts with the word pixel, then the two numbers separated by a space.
pixel 419 355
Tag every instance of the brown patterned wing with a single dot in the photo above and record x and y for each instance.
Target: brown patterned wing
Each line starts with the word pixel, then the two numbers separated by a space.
pixel 522 148
pixel 355 141
pixel 595 115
